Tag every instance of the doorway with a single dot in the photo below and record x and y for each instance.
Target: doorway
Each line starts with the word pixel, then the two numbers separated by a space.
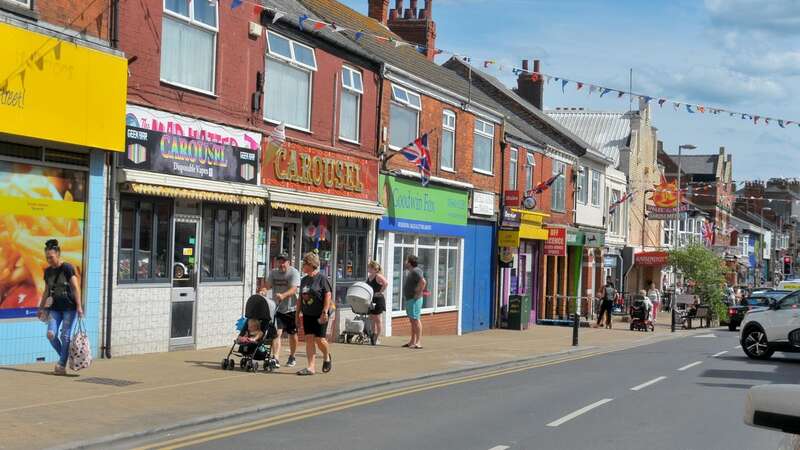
pixel 184 283
pixel 284 237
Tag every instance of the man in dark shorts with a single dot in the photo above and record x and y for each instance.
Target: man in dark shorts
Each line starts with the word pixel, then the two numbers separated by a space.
pixel 284 281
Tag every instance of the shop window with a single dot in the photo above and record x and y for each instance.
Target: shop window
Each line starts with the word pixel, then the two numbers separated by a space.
pixel 143 240
pixel 317 237
pixel 222 243
pixel 403 117
pixel 483 147
pixel 289 69
pixel 350 109
pixel 439 261
pixel 448 140
pixel 188 44
pixel 558 195
pixel 447 273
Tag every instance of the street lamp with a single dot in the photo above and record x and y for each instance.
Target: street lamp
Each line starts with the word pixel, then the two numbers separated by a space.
pixel 761 247
pixel 675 233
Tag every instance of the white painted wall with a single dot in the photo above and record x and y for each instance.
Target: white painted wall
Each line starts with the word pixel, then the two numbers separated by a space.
pixel 588 213
pixel 616 180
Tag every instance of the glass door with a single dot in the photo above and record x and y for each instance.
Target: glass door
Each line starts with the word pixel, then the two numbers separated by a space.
pixel 284 237
pixel 184 283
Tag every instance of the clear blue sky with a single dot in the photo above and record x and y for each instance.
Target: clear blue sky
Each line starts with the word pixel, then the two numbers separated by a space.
pixel 742 55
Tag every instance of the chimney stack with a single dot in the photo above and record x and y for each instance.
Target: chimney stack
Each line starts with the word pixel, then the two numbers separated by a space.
pixel 527 88
pixel 378 10
pixel 415 26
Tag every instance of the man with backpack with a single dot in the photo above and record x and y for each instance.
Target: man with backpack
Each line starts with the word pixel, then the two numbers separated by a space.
pixel 609 293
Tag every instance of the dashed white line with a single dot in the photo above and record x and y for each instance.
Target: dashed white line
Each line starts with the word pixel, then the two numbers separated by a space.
pixel 648 383
pixel 577 413
pixel 719 354
pixel 500 447
pixel 737 347
pixel 689 366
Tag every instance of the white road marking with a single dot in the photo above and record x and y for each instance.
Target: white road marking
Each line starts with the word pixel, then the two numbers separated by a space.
pixel 577 413
pixel 719 354
pixel 689 366
pixel 648 383
pixel 500 447
pixel 709 335
pixel 737 347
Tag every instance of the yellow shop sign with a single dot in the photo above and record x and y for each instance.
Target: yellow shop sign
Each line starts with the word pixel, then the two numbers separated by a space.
pixel 62 92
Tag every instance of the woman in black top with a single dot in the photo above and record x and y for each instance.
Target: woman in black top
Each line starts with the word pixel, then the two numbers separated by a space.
pixel 377 282
pixel 61 300
pixel 315 302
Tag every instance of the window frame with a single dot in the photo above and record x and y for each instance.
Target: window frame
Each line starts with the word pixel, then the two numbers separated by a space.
pixel 446 128
pixel 530 164
pixel 513 173
pixel 27 4
pixel 155 201
pixel 291 62
pixel 596 196
pixel 215 208
pixel 405 104
pixel 352 90
pixel 561 188
pixel 192 21
pixel 583 185
pixel 483 133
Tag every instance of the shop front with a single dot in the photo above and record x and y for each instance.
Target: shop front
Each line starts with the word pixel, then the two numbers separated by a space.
pixel 648 266
pixel 431 223
pixel 62 107
pixel 593 276
pixel 186 209
pixel 320 201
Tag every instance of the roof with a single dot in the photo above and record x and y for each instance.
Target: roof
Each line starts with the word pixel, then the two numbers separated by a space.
pixel 608 132
pixel 405 58
pixel 698 164
pixel 537 125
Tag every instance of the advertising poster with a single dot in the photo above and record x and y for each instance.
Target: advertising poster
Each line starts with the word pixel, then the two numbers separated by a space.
pixel 36 204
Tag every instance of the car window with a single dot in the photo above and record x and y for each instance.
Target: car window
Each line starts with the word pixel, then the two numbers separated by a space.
pixel 758 301
pixel 776 294
pixel 791 300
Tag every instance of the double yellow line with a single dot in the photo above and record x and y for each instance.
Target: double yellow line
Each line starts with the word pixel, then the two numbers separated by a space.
pixel 233 430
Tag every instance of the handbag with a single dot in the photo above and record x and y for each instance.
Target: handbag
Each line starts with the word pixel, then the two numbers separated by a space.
pixel 43 314
pixel 80 352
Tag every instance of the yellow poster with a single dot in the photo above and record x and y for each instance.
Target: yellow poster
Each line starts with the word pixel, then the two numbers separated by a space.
pixel 36 204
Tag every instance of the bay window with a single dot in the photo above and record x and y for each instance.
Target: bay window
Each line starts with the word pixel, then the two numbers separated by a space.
pixel 350 108
pixel 403 117
pixel 287 82
pixel 483 147
pixel 188 44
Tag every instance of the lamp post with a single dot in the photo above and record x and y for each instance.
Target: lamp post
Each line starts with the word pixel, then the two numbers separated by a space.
pixel 761 246
pixel 675 233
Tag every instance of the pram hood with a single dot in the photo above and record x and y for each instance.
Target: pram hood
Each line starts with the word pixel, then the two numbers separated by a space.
pixel 259 307
pixel 359 297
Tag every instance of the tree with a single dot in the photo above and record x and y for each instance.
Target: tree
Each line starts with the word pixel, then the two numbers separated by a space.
pixel 707 270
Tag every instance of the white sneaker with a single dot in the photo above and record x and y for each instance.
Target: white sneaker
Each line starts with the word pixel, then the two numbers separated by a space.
pixel 276 363
pixel 291 362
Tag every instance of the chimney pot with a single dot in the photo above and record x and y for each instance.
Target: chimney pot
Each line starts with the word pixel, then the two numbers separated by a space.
pixel 527 88
pixel 413 9
pixel 524 64
pixel 536 65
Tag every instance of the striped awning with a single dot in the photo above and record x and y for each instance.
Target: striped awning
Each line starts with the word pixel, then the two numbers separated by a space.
pixel 193 194
pixel 325 211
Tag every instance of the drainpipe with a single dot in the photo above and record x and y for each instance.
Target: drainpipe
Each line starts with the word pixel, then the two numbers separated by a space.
pixel 110 210
pixel 379 139
pixel 114 24
pixel 498 288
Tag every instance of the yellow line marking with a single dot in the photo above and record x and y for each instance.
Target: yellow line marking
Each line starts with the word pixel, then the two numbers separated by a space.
pixel 232 430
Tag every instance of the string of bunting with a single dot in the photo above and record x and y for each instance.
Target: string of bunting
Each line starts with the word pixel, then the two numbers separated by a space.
pixel 307 23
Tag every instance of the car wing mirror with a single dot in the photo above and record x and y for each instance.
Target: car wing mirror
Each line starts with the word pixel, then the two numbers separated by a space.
pixel 774 406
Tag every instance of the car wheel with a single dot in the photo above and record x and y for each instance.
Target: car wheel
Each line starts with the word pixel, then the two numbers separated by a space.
pixel 755 344
pixel 731 327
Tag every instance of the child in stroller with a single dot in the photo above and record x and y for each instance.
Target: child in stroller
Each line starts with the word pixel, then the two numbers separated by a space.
pixel 255 337
pixel 640 313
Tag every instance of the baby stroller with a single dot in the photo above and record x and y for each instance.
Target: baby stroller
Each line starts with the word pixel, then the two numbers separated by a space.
pixel 359 297
pixel 263 310
pixel 640 316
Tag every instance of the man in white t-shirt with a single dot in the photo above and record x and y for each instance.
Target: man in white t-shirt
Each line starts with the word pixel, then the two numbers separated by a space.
pixel 284 282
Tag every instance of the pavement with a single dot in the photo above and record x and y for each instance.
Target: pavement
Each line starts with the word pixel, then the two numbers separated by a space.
pixel 145 394
pixel 673 394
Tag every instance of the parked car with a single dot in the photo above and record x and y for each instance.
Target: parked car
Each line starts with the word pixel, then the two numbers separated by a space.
pixel 766 330
pixel 759 299
pixel 775 407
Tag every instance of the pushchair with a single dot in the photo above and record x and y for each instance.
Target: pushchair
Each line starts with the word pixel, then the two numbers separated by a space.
pixel 356 330
pixel 640 316
pixel 253 355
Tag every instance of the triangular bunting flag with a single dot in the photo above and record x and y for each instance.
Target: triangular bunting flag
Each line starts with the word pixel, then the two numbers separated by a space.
pixel 359 35
pixel 755 119
pixel 661 102
pixel 620 94
pixel 302 19
pixel 337 28
pixel 780 123
pixel 766 120
pixel 579 86
pixel 701 108
pixel 320 25
pixel 676 105
pixel 534 77
pixel 689 109
pixel 564 85
pixel 604 91
pixel 592 88
pixel 236 3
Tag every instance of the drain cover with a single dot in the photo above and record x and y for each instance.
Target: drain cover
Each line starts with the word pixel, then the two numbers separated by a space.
pixel 108 381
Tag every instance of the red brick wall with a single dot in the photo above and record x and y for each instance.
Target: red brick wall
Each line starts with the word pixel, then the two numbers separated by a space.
pixel 91 19
pixel 432 324
pixel 543 171
pixel 239 59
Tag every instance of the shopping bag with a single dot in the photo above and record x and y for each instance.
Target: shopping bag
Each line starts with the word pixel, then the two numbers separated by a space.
pixel 80 352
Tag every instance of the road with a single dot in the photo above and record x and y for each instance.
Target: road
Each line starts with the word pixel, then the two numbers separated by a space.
pixel 685 393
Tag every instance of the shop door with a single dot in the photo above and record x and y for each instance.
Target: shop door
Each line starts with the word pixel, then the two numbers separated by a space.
pixel 478 280
pixel 284 237
pixel 184 283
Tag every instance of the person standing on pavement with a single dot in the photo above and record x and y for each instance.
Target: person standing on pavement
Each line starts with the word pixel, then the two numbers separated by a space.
pixel 284 281
pixel 315 303
pixel 377 282
pixel 606 303
pixel 655 298
pixel 413 288
pixel 62 300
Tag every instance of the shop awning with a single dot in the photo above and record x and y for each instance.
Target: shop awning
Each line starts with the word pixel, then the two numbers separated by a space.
pixel 531 225
pixel 313 203
pixel 193 194
pixel 651 258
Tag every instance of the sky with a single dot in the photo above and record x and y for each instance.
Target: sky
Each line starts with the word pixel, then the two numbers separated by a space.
pixel 740 55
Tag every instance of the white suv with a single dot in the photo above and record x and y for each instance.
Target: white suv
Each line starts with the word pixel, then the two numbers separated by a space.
pixel 766 330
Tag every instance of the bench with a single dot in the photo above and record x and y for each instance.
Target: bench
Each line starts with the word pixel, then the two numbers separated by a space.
pixel 702 312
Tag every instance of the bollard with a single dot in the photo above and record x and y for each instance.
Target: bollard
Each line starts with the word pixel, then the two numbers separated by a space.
pixel 575 325
pixel 672 321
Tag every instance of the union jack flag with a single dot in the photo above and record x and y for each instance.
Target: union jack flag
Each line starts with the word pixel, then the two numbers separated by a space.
pixel 613 208
pixel 417 152
pixel 707 230
pixel 545 185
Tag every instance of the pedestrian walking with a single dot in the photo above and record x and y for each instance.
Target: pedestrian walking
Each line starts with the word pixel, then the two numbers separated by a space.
pixel 315 303
pixel 284 281
pixel 655 298
pixel 606 303
pixel 61 302
pixel 377 282
pixel 413 287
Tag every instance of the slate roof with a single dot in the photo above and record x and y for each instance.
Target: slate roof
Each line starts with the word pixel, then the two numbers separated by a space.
pixel 697 164
pixel 608 132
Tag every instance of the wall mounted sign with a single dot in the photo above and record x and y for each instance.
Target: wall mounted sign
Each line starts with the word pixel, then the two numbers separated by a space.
pixel 482 203
pixel 511 198
pixel 651 258
pixel 529 202
pixel 511 220
pixel 411 207
pixel 155 151
pixel 594 239
pixel 610 261
pixel 556 243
